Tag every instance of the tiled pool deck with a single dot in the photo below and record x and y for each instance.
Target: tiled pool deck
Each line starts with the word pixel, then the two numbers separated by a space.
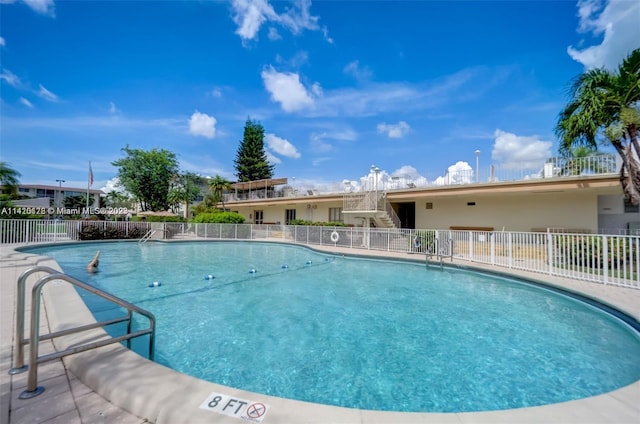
pixel 125 382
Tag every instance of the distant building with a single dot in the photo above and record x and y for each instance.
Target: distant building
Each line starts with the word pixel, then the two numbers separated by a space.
pixel 54 194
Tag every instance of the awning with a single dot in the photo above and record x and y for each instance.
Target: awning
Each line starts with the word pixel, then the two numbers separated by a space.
pixel 258 184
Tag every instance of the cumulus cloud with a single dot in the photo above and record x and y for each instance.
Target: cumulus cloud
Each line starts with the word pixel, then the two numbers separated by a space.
pixel 281 146
pixel 285 88
pixel 250 15
pixel 201 124
pixel 46 94
pixel 616 21
pixel 398 130
pixel 26 102
pixel 458 173
pixel 514 151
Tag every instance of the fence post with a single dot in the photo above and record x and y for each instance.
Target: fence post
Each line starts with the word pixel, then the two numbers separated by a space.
pixel 605 259
pixel 470 245
pixel 549 253
pixel 493 248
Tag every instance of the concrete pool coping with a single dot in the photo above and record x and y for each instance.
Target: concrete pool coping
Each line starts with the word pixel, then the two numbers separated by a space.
pixel 158 394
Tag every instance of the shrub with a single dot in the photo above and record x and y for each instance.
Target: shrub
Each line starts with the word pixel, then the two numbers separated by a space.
pixel 97 231
pixel 218 218
pixel 317 223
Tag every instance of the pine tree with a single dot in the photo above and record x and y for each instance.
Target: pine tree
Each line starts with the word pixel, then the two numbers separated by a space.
pixel 251 159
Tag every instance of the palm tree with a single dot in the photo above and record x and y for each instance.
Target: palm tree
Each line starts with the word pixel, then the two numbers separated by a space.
pixel 8 179
pixel 218 186
pixel 184 189
pixel 606 103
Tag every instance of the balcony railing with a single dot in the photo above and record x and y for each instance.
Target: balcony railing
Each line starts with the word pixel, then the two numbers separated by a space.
pixel 556 167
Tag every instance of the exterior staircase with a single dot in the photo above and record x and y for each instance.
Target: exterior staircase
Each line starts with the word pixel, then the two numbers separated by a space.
pixel 372 206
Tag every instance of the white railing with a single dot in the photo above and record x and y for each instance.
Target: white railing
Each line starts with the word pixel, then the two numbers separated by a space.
pixel 606 259
pixel 555 167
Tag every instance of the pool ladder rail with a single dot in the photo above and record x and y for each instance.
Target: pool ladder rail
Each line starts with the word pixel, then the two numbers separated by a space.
pixel 441 252
pixel 33 389
pixel 147 236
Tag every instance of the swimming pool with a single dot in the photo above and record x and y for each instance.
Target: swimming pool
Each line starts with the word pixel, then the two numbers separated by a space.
pixel 402 338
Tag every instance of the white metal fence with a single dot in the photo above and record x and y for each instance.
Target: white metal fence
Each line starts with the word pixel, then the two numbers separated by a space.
pixel 606 259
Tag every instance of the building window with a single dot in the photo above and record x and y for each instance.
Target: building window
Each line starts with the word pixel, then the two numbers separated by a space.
pixel 630 207
pixel 258 217
pixel 335 214
pixel 289 215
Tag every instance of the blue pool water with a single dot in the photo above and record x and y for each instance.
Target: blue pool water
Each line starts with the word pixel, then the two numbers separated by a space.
pixel 360 333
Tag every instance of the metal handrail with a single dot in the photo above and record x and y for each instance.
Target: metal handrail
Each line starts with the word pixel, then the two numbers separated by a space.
pixel 440 252
pixel 147 236
pixel 34 360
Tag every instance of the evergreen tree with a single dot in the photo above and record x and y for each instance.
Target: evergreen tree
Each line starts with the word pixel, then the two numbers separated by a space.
pixel 251 159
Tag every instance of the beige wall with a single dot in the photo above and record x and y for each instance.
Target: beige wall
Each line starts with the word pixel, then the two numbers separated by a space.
pixel 513 212
pixel 568 204
pixel 274 213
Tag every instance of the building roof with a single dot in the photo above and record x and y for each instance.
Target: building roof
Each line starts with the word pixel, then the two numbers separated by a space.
pixel 259 184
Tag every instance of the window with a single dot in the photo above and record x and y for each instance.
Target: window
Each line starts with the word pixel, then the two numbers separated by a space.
pixel 630 208
pixel 258 217
pixel 335 214
pixel 289 215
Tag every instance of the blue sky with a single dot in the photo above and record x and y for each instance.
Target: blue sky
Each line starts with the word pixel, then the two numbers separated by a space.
pixel 413 87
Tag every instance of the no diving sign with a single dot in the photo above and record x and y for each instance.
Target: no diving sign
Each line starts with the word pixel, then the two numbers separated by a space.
pixel 235 407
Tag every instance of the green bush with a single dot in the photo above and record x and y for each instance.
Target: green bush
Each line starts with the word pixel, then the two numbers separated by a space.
pixel 218 218
pixel 97 231
pixel 317 223
pixel 153 218
pixel 426 240
pixel 587 250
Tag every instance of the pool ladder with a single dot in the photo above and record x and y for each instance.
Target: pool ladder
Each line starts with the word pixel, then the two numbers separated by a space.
pixel 434 249
pixel 147 236
pixel 35 338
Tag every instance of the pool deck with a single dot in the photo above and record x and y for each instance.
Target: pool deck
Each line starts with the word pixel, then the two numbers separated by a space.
pixel 113 385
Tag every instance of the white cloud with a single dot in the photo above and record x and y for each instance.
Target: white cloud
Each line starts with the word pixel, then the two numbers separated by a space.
pixel 113 109
pixel 273 34
pixel 285 88
pixel 359 73
pixel 459 173
pixel 10 78
pixel 201 124
pixel 318 145
pixel 46 94
pixel 398 130
pixel 2 42
pixel 616 21
pixel 250 15
pixel 44 7
pixel 271 158
pixel 514 151
pixel 281 146
pixel 26 102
